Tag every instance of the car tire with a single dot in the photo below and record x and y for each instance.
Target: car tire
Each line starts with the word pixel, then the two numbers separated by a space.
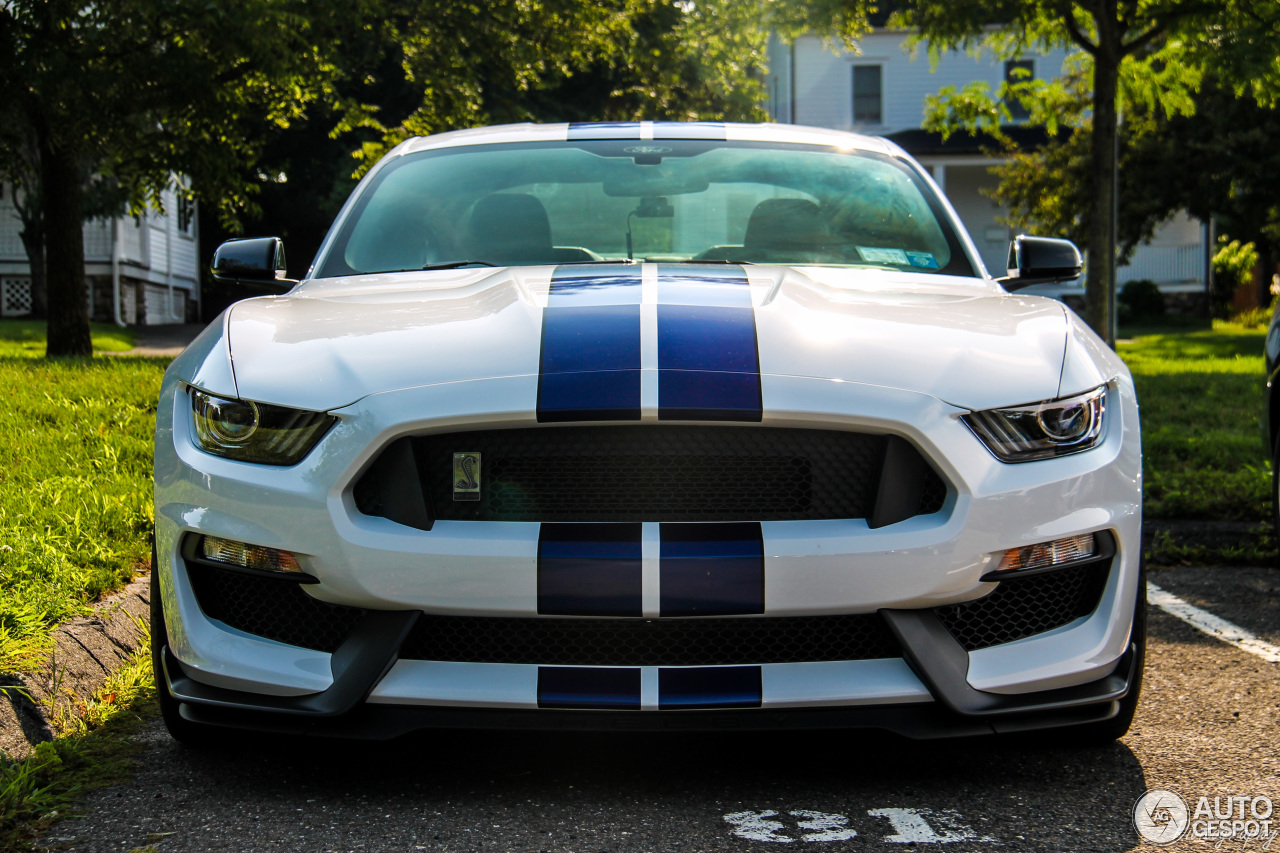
pixel 181 729
pixel 1275 493
pixel 1108 731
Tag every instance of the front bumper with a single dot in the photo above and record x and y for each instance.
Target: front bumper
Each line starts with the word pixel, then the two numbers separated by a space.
pixel 935 657
pixel 812 569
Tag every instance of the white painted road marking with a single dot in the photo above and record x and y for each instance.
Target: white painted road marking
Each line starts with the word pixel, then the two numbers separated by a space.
pixel 755 826
pixel 829 827
pixel 1214 626
pixel 910 826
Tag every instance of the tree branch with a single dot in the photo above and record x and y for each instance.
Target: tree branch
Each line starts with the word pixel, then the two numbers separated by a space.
pixel 1141 41
pixel 1073 29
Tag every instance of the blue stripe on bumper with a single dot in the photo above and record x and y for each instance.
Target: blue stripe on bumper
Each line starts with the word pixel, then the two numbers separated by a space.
pixel 711 569
pixel 590 569
pixel 709 687
pixel 589 687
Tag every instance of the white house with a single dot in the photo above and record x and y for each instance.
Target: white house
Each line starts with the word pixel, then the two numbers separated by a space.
pixel 881 91
pixel 151 262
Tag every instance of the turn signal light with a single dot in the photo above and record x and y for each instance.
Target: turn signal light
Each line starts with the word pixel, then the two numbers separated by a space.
pixel 1053 553
pixel 249 556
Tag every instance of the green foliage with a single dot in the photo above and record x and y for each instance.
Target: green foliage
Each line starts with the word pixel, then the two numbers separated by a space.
pixel 75 483
pixel 37 790
pixel 1257 547
pixel 1143 300
pixel 1233 266
pixel 1202 396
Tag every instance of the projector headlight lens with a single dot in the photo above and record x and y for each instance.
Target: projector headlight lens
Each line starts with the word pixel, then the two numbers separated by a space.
pixel 255 432
pixel 1042 430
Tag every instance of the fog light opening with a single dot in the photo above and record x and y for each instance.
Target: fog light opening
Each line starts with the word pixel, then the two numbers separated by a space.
pixel 248 556
pixel 1044 554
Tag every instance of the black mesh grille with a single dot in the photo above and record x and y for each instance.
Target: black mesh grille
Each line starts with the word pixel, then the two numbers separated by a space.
pixel 1021 608
pixel 275 609
pixel 661 473
pixel 616 642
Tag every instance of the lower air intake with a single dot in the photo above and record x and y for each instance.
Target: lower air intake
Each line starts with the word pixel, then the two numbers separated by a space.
pixel 635 642
pixel 1026 607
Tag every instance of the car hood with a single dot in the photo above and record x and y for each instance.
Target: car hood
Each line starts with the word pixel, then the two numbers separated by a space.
pixel 965 341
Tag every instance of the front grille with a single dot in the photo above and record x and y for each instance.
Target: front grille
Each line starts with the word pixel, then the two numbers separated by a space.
pixel 276 609
pixel 660 473
pixel 682 642
pixel 1023 608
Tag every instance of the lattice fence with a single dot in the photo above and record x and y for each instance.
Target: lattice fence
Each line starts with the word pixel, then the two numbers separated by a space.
pixel 15 296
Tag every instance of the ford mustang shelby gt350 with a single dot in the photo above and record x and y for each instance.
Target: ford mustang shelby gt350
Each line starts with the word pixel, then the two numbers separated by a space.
pixel 648 425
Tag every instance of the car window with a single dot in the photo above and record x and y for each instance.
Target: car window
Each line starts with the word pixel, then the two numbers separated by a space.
pixel 668 200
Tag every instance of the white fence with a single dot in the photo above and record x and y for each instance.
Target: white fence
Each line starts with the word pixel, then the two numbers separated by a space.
pixel 1165 264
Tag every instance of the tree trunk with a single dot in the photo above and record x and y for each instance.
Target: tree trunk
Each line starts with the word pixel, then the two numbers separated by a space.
pixel 32 237
pixel 1099 294
pixel 63 188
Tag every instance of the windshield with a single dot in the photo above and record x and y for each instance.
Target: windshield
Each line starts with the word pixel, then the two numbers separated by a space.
pixel 660 200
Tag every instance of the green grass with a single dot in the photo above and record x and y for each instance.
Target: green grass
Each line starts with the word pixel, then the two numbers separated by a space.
pixel 26 337
pixel 75 483
pixel 1202 394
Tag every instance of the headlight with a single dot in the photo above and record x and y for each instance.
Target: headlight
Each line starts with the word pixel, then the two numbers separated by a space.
pixel 255 432
pixel 1042 430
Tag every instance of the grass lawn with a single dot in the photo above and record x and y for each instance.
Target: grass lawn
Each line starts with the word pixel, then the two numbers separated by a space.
pixel 1202 393
pixel 75 480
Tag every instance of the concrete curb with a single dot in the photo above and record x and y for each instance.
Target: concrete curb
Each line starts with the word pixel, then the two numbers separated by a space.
pixel 86 650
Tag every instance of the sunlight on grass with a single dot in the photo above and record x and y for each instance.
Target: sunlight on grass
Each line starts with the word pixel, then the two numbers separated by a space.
pixel 1202 395
pixel 75 484
pixel 26 337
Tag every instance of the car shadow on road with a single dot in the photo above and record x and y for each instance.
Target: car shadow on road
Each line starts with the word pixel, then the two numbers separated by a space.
pixel 1017 790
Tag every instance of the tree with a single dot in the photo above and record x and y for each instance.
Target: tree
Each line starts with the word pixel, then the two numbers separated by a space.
pixel 632 59
pixel 1118 37
pixel 135 90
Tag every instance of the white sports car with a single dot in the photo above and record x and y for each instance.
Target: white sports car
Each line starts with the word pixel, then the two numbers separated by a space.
pixel 648 426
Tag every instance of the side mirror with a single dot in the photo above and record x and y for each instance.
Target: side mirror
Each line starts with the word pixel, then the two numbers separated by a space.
pixel 257 262
pixel 1041 260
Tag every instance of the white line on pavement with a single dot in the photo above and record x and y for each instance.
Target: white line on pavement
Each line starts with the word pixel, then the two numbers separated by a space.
pixel 1214 626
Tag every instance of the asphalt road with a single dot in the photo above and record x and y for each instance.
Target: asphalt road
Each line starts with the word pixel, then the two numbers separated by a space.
pixel 1209 725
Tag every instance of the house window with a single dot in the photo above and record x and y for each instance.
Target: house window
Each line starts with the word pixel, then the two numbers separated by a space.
pixel 868 95
pixel 1018 71
pixel 186 213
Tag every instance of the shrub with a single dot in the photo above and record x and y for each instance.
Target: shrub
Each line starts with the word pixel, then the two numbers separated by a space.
pixel 1233 266
pixel 1143 299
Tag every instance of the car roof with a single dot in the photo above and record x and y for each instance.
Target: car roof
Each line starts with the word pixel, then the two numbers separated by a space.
pixel 649 130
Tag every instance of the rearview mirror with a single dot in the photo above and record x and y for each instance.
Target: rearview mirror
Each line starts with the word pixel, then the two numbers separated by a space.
pixel 1040 260
pixel 258 262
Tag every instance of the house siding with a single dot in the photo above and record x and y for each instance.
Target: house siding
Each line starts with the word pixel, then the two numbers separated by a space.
pixel 152 252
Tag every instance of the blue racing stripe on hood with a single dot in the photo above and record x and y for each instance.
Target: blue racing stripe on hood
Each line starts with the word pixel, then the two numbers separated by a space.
pixel 708 355
pixel 590 363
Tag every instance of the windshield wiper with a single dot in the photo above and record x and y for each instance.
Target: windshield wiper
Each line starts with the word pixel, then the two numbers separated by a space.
pixel 453 265
pixel 715 261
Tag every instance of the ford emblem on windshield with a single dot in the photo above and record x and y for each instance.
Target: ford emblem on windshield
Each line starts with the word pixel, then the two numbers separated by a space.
pixel 646 149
